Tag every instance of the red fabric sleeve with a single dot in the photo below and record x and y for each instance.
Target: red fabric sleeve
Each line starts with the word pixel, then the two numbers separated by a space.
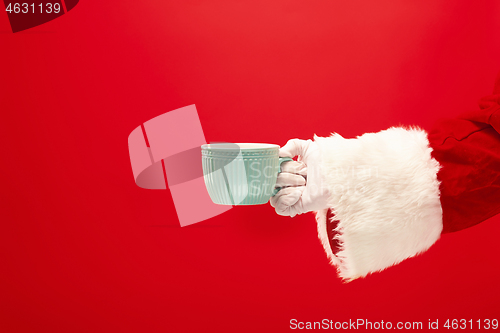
pixel 468 149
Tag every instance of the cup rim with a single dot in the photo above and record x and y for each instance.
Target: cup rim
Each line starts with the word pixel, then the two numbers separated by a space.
pixel 241 146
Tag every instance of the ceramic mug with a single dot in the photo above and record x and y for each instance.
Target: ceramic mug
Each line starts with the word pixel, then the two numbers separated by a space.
pixel 241 173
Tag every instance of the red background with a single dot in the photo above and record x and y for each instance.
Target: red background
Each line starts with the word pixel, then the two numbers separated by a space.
pixel 83 249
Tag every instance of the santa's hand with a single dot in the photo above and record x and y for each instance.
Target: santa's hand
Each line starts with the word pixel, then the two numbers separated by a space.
pixel 291 182
pixel 302 189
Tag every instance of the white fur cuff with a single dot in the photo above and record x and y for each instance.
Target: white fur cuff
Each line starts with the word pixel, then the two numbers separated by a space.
pixel 385 194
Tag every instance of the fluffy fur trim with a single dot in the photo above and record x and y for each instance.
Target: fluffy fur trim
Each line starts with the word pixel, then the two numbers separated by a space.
pixel 384 192
pixel 323 237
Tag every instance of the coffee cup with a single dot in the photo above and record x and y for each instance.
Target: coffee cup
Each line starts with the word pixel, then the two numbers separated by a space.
pixel 241 173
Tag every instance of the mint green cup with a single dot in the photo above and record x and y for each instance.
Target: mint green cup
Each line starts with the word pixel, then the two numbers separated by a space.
pixel 241 173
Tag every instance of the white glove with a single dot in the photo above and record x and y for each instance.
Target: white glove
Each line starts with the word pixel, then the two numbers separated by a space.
pixel 303 190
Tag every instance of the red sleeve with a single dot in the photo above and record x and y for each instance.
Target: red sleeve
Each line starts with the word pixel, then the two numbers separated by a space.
pixel 468 149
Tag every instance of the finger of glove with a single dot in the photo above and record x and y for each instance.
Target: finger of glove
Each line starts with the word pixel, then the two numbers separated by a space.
pixel 295 167
pixel 290 210
pixel 287 191
pixel 286 197
pixel 294 147
pixel 286 179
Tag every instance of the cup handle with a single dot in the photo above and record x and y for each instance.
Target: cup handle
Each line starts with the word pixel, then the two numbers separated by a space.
pixel 281 160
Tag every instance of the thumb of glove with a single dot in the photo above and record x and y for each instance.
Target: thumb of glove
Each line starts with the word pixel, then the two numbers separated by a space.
pixel 295 147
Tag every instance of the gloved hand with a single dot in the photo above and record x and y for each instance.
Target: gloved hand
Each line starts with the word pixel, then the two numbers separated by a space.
pixel 303 188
